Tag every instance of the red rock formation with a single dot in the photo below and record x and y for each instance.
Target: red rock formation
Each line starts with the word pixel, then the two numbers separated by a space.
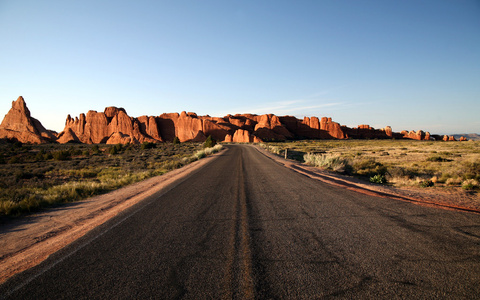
pixel 115 126
pixel 333 128
pixel 415 135
pixel 120 138
pixel 427 136
pixel 243 136
pixel 68 136
pixel 184 126
pixel 312 122
pixel 228 139
pixel 389 132
pixel 462 139
pixel 18 124
pixel 210 127
pixel 112 126
pixel 149 126
pixel 269 127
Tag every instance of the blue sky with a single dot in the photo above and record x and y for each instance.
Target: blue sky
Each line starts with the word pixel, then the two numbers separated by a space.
pixel 408 64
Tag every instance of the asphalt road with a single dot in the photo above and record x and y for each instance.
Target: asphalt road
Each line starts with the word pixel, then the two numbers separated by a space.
pixel 245 227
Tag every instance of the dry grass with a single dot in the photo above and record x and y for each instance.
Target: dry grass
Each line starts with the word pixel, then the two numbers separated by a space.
pixel 402 162
pixel 36 176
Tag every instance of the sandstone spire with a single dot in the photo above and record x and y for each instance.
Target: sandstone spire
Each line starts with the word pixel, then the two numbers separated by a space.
pixel 18 124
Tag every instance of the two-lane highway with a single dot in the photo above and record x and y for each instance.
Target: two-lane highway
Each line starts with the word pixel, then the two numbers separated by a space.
pixel 245 227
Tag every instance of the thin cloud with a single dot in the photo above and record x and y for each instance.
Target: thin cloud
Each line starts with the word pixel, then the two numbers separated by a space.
pixel 290 107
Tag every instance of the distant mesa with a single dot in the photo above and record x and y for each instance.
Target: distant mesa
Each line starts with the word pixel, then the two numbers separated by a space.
pixel 115 126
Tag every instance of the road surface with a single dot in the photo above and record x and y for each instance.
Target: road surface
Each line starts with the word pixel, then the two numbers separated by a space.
pixel 246 227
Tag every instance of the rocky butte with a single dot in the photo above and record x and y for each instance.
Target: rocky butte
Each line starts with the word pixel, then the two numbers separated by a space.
pixel 20 125
pixel 115 126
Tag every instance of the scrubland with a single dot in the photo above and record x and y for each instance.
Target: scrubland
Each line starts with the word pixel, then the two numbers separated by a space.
pixel 36 176
pixel 402 163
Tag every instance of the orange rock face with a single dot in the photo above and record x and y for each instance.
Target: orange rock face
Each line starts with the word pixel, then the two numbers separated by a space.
pixel 18 124
pixel 114 125
pixel 415 135
pixel 243 136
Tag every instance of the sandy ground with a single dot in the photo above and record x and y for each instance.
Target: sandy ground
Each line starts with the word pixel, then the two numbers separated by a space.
pixel 27 241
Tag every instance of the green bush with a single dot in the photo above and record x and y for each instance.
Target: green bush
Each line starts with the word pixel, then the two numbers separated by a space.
pixel 115 149
pixel 368 167
pixel 95 149
pixel 426 183
pixel 148 145
pixel 40 155
pixel 176 140
pixel 209 142
pixel 61 155
pixel 380 179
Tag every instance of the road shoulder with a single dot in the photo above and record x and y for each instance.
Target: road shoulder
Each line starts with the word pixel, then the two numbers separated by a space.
pixel 446 199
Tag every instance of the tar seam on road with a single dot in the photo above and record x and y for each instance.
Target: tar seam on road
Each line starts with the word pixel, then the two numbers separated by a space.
pixel 241 282
pixel 141 207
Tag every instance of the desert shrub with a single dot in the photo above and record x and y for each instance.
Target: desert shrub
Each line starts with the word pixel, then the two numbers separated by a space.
pixel 380 179
pixel 48 156
pixel 470 184
pixel 171 165
pixel 426 183
pixel 200 154
pixel 275 149
pixel 453 181
pixel 115 149
pixel 61 155
pixel 22 174
pixel 40 155
pixel 95 149
pixel 471 170
pixel 437 158
pixel 148 145
pixel 75 151
pixel 176 140
pixel 397 171
pixel 209 142
pixel 212 150
pixel 369 167
pixel 112 151
pixel 331 162
pixel 189 159
pixel 14 160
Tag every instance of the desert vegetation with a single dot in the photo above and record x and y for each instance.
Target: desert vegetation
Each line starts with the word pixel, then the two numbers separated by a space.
pixel 36 176
pixel 396 162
